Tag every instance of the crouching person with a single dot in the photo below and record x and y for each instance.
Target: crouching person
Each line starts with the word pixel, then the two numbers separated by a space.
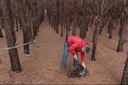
pixel 74 45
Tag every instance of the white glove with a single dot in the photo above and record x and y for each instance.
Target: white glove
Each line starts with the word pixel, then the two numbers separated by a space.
pixel 75 56
pixel 83 64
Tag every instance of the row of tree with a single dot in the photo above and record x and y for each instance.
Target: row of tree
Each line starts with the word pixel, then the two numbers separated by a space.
pixel 25 15
pixel 83 14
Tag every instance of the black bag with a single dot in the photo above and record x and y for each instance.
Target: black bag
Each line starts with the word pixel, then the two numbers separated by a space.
pixel 76 72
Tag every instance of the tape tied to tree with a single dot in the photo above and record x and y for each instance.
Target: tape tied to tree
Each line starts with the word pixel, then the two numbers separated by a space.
pixel 17 46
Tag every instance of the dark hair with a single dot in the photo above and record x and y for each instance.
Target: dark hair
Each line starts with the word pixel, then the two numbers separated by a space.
pixel 86 49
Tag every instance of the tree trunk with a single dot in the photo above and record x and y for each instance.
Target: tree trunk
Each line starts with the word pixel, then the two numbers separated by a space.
pixel 66 33
pixel 62 17
pixel 100 31
pixel 93 58
pixel 35 21
pixel 82 29
pixel 86 25
pixel 16 20
pixel 74 31
pixel 26 36
pixel 123 26
pixel 62 28
pixel 67 28
pixel 110 27
pixel 124 80
pixel 102 26
pixel 91 22
pixel 2 21
pixel 57 16
pixel 10 35
pixel 34 24
pixel 74 28
pixel 29 19
pixel 1 35
pixel 95 37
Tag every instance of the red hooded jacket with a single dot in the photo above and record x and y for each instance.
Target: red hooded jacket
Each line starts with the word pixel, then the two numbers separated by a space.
pixel 75 44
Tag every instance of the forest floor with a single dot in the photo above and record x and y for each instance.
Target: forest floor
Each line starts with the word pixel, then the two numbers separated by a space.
pixel 43 65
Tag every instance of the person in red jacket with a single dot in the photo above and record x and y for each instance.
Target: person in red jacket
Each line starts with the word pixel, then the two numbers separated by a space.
pixel 74 45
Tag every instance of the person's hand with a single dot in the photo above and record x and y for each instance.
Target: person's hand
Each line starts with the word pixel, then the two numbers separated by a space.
pixel 75 57
pixel 83 64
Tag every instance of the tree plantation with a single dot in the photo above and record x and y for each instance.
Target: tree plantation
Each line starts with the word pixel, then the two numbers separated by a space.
pixel 33 32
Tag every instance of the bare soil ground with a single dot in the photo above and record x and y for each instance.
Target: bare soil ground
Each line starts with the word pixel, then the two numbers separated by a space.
pixel 43 65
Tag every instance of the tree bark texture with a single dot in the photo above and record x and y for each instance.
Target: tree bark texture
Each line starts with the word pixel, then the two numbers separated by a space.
pixel 10 35
pixel 25 27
